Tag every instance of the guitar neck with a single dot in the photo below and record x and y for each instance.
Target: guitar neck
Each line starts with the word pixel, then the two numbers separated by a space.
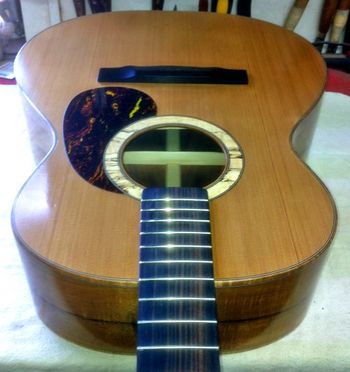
pixel 177 327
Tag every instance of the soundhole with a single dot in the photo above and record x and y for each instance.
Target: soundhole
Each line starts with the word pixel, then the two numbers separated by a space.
pixel 173 151
pixel 173 157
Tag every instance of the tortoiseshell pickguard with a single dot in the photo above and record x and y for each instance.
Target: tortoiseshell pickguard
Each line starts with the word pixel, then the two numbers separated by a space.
pixel 91 120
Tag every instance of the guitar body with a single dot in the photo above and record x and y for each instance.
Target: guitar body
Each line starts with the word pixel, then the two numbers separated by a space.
pixel 270 232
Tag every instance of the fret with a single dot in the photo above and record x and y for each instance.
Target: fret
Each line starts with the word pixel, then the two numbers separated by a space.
pixel 154 310
pixel 176 261
pixel 184 333
pixel 172 246
pixel 177 326
pixel 175 278
pixel 176 270
pixel 177 347
pixel 185 207
pixel 175 232
pixel 172 220
pixel 175 228
pixel 172 298
pixel 170 209
pixel 173 288
pixel 177 214
pixel 163 321
pixel 151 253
pixel 196 204
pixel 175 199
pixel 181 239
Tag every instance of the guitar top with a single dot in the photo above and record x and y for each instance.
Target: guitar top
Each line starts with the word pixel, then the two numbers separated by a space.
pixel 269 232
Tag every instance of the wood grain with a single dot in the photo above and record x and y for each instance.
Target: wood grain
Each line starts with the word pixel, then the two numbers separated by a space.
pixel 270 233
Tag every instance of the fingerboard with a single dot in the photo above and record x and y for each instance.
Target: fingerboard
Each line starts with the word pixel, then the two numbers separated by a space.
pixel 177 326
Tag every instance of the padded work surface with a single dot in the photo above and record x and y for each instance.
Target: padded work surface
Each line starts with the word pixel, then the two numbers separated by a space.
pixel 321 342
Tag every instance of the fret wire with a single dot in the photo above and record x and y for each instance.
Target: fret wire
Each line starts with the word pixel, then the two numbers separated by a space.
pixel 174 347
pixel 176 321
pixel 176 246
pixel 176 299
pixel 174 199
pixel 175 220
pixel 174 232
pixel 176 261
pixel 173 278
pixel 175 209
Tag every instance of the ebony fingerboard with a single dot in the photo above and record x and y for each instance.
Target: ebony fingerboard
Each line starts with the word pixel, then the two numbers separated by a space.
pixel 177 327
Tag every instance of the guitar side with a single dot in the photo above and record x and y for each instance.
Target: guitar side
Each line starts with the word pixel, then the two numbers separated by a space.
pixel 270 233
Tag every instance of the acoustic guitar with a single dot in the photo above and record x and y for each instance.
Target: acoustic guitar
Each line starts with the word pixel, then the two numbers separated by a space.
pixel 181 285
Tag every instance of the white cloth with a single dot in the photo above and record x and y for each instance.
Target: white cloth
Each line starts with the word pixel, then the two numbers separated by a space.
pixel 320 343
